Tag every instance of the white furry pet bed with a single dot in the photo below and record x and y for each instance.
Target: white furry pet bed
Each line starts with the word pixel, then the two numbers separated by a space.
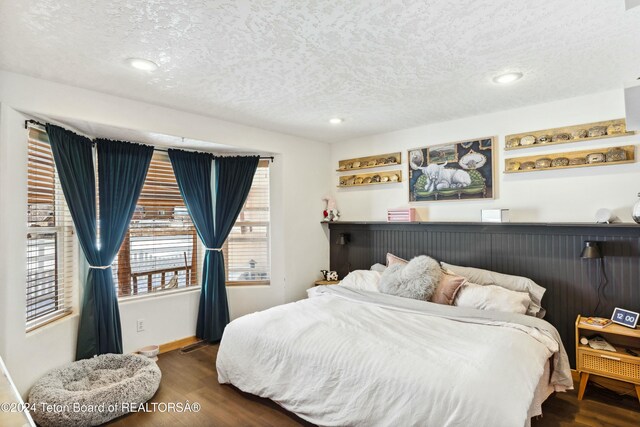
pixel 91 392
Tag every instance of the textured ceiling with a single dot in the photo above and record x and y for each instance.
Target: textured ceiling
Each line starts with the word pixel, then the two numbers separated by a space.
pixel 290 65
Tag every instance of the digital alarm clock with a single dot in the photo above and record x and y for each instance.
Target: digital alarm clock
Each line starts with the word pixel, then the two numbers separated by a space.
pixel 625 317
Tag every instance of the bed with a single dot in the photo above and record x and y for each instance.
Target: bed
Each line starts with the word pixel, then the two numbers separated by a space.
pixel 347 357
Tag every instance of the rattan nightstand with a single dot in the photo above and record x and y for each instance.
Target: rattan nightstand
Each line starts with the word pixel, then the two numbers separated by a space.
pixel 618 365
pixel 326 282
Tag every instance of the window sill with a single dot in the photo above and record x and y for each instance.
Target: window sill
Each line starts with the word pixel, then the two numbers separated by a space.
pixel 51 323
pixel 133 298
pixel 249 283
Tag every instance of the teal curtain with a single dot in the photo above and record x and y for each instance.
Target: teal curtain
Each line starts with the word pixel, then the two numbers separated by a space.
pixel 214 208
pixel 122 168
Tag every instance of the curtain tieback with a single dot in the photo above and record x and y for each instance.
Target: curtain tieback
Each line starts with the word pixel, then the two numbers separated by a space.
pixel 213 249
pixel 100 267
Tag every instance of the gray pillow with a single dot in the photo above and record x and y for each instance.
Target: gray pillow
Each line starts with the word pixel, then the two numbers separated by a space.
pixel 417 279
pixel 507 281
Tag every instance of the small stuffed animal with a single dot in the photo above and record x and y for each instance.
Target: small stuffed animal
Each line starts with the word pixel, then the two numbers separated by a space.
pixel 324 273
pixel 332 276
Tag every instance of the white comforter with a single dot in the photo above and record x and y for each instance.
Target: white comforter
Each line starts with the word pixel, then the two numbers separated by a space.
pixel 338 359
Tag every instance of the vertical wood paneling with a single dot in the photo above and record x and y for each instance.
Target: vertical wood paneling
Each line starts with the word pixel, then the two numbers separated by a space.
pixel 550 255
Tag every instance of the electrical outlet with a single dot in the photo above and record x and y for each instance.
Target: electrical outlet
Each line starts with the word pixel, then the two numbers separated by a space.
pixel 140 325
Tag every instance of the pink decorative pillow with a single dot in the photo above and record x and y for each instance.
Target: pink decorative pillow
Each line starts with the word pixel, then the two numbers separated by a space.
pixel 392 259
pixel 447 288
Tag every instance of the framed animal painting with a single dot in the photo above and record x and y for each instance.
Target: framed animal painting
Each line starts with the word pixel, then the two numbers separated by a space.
pixel 461 170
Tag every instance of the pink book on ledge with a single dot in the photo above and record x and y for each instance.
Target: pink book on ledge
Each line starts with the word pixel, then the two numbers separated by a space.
pixel 401 215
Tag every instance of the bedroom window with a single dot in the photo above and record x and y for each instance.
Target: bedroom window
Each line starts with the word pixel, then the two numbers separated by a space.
pixel 247 249
pixel 50 240
pixel 161 248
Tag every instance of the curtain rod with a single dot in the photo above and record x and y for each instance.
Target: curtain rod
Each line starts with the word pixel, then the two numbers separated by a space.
pixel 163 150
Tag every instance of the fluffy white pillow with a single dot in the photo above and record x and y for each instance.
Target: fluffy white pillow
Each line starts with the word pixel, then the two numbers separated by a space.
pixel 363 280
pixel 417 279
pixel 513 283
pixel 492 297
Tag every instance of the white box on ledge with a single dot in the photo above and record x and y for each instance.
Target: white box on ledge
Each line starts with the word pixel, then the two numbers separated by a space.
pixel 401 215
pixel 495 215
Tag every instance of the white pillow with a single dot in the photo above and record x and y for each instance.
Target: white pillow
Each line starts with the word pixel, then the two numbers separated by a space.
pixel 380 268
pixel 364 280
pixel 513 283
pixel 492 297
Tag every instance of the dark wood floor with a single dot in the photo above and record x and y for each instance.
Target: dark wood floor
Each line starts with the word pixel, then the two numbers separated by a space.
pixel 192 377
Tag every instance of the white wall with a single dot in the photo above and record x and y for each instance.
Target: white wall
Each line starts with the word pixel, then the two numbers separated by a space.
pixel 299 250
pixel 571 195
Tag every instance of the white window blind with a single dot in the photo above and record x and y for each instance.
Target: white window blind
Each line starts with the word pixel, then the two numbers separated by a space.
pixel 50 240
pixel 247 249
pixel 160 250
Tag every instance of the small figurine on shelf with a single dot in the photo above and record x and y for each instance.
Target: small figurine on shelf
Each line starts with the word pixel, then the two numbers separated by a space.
pixel 330 212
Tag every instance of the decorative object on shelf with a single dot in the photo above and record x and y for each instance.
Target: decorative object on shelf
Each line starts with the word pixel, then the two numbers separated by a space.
pixel 596 131
pixel 513 142
pixel 605 216
pixel 596 158
pixel 376 161
pixel 527 140
pixel 635 212
pixel 328 276
pixel 563 136
pixel 528 166
pixel 616 154
pixel 358 180
pixel 568 134
pixel 494 215
pixel 513 166
pixel 624 317
pixel 453 171
pixel 616 129
pixel 579 134
pixel 330 213
pixel 401 215
pixel 572 159
pixel 577 161
pixel 543 162
pixel 543 139
pixel 560 161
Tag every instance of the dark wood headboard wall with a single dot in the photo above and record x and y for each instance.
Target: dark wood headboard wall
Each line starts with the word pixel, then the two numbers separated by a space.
pixel 547 253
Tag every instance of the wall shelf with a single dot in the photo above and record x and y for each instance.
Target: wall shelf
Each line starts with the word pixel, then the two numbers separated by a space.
pixel 368 179
pixel 569 130
pixel 366 162
pixel 629 149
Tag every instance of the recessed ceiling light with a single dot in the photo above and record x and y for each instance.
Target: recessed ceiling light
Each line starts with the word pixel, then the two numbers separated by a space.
pixel 142 64
pixel 507 78
pixel 336 120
